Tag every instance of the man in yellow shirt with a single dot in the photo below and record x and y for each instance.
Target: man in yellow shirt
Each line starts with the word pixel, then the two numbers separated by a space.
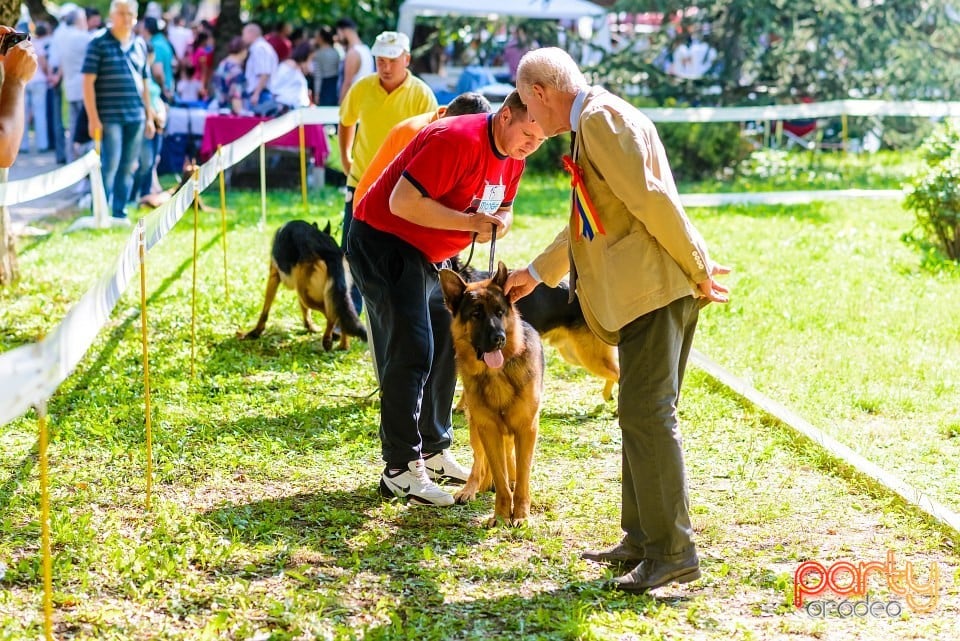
pixel 371 108
pixel 400 136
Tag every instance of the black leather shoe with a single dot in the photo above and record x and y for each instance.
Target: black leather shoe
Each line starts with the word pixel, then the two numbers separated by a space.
pixel 651 574
pixel 619 554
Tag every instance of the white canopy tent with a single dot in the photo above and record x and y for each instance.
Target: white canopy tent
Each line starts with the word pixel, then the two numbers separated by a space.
pixel 536 9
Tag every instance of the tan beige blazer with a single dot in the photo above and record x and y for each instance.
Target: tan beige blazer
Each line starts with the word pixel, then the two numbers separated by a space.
pixel 650 254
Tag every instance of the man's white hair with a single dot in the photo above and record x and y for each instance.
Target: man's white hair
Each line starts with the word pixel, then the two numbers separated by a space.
pixel 130 4
pixel 550 67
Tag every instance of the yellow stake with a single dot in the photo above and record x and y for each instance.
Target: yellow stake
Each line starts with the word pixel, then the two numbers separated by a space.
pixel 193 311
pixel 47 559
pixel 146 361
pixel 843 129
pixel 303 169
pixel 223 224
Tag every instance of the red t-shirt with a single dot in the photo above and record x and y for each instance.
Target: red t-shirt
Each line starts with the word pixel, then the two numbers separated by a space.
pixel 280 44
pixel 455 162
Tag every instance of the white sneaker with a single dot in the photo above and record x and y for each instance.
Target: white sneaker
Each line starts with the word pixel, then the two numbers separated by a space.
pixel 414 484
pixel 441 466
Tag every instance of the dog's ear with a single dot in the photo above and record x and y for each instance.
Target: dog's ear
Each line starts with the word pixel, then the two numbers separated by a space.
pixel 500 278
pixel 453 287
pixel 326 230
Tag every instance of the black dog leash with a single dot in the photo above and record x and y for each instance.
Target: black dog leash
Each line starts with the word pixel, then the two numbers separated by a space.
pixel 473 244
pixel 493 246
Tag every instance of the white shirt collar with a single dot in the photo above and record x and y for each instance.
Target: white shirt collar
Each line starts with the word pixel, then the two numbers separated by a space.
pixel 577 108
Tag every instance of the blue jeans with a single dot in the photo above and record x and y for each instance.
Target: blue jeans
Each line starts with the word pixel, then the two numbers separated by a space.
pixel 143 177
pixel 118 152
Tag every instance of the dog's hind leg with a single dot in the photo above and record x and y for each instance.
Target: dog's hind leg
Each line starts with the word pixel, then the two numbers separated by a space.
pixel 596 357
pixel 273 282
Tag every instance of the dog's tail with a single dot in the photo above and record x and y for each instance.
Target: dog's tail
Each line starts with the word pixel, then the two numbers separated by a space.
pixel 342 302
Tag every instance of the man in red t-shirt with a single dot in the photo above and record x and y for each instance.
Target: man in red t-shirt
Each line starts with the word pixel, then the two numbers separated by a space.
pixel 455 180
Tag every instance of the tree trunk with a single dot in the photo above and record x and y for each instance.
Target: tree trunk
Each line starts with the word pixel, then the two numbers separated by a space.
pixel 228 26
pixel 9 12
pixel 37 11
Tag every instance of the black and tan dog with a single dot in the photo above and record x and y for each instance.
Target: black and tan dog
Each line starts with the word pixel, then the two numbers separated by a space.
pixel 562 325
pixel 310 262
pixel 500 362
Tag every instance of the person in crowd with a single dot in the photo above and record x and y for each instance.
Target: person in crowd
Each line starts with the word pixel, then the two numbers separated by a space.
pixel 189 88
pixel 457 178
pixel 228 80
pixel 116 98
pixel 94 19
pixel 201 59
pixel 641 272
pixel 279 39
pixel 289 84
pixel 261 64
pixel 145 180
pixel 17 67
pixel 370 109
pixel 55 92
pixel 401 135
pixel 181 37
pixel 326 68
pixel 35 104
pixel 68 48
pixel 518 45
pixel 164 61
pixel 357 59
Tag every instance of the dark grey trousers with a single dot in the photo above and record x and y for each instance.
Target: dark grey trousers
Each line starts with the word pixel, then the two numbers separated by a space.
pixel 653 355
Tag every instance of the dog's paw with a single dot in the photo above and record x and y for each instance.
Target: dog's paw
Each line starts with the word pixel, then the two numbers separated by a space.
pixel 465 495
pixel 253 333
pixel 519 516
pixel 494 521
pixel 327 344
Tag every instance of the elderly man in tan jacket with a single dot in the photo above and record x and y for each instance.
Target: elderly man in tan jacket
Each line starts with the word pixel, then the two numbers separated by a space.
pixel 642 273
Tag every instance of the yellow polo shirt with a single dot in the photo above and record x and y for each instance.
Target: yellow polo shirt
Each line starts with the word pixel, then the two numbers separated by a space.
pixel 376 112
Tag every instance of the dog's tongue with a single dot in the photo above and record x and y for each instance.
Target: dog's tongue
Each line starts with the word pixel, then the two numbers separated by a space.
pixel 494 360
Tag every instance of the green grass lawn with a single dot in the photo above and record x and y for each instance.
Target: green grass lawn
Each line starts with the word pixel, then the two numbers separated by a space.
pixel 266 523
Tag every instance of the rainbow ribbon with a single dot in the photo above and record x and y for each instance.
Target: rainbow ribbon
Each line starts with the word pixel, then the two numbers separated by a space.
pixel 588 221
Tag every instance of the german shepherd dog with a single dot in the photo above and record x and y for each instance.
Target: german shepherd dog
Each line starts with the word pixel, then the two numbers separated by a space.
pixel 562 325
pixel 500 362
pixel 310 262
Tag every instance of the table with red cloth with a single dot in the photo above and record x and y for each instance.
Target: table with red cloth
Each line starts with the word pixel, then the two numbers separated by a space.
pixel 223 129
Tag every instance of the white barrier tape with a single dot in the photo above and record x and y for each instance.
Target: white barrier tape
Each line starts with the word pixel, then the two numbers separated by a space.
pixel 273 129
pixel 32 373
pixel 834 448
pixel 161 220
pixel 913 108
pixel 16 192
pixel 787 197
pixel 320 115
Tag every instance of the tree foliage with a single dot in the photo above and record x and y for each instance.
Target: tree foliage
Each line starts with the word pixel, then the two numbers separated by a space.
pixel 371 16
pixel 781 50
pixel 934 194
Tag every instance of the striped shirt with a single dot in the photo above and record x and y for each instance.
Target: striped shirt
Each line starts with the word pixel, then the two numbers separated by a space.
pixel 119 93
